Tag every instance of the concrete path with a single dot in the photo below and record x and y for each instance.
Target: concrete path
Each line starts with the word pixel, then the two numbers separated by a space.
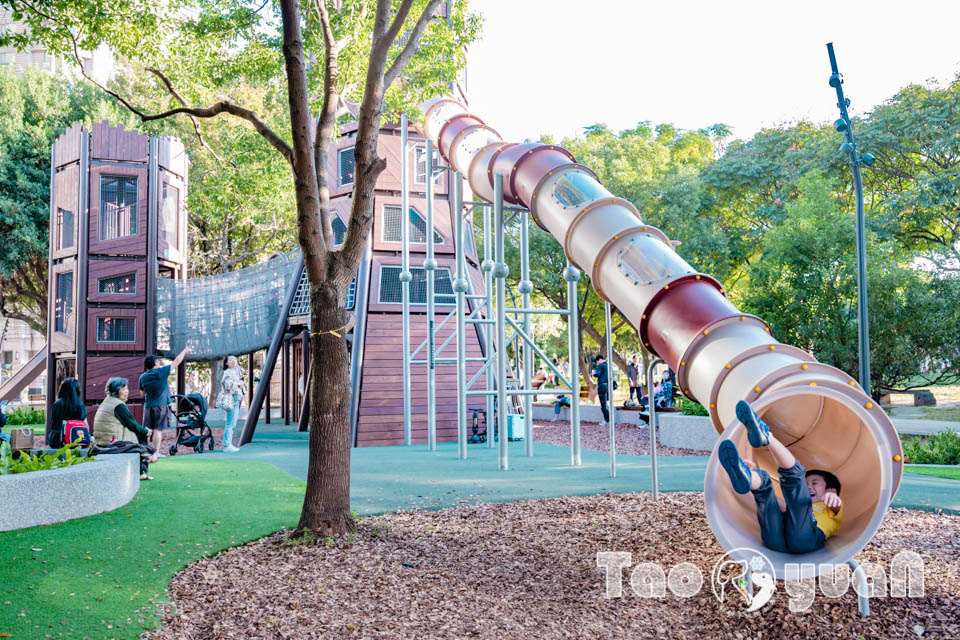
pixel 386 479
pixel 913 426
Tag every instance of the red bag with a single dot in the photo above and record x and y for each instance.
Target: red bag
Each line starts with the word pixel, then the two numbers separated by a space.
pixel 73 429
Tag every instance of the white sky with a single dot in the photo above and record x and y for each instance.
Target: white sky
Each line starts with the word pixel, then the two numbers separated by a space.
pixel 555 66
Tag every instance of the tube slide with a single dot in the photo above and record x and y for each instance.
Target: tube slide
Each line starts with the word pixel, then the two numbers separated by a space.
pixel 27 374
pixel 721 355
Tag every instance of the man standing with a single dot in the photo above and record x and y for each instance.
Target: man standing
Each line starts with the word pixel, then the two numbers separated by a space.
pixel 633 376
pixel 156 397
pixel 600 373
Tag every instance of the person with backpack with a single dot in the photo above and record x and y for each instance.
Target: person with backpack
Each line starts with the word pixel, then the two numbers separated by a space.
pixel 68 407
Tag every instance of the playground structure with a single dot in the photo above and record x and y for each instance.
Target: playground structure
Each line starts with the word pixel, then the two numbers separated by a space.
pixel 118 276
pixel 720 354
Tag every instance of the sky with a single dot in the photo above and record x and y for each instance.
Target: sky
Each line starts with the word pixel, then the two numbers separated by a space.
pixel 554 67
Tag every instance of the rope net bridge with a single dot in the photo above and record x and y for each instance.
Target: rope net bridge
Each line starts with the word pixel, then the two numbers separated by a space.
pixel 226 314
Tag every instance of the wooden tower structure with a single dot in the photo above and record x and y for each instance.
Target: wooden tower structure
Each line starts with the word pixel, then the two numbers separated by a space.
pixel 117 223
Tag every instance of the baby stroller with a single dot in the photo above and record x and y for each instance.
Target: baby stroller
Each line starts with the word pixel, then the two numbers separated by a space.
pixel 192 428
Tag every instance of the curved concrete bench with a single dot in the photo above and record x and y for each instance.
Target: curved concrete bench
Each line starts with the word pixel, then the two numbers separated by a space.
pixel 45 497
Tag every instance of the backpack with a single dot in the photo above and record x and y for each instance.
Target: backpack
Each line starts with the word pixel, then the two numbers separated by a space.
pixel 73 429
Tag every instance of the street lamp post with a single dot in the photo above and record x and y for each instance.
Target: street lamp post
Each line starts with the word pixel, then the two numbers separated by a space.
pixel 849 147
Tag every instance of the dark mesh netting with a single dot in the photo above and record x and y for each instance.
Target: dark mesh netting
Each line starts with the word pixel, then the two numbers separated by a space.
pixel 216 316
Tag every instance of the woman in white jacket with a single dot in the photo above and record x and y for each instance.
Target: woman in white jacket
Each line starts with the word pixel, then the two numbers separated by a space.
pixel 230 397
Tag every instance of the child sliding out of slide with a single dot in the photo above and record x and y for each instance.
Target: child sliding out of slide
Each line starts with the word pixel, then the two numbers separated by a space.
pixel 811 510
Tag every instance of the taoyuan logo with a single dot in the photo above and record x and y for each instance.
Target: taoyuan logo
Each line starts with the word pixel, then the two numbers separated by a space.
pixel 753 581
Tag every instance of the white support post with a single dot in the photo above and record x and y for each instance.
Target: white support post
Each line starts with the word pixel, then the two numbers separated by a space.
pixel 526 287
pixel 405 278
pixel 613 405
pixel 487 267
pixel 460 287
pixel 652 409
pixel 430 266
pixel 571 274
pixel 500 272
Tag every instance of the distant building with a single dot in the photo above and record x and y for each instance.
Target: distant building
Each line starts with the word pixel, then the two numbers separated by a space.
pixel 18 344
pixel 100 64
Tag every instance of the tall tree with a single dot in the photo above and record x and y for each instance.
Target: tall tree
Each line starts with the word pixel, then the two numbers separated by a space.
pixel 357 51
pixel 804 284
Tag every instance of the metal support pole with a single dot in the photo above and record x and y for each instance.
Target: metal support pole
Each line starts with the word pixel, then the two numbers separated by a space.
pixel 526 287
pixel 850 148
pixel 430 266
pixel 863 600
pixel 613 405
pixel 653 426
pixel 571 274
pixel 487 267
pixel 500 271
pixel 405 276
pixel 460 287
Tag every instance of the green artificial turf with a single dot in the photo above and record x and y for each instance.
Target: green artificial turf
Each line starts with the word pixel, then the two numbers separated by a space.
pixel 952 473
pixel 101 576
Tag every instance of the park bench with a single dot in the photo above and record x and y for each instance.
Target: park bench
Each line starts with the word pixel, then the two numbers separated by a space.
pixel 921 397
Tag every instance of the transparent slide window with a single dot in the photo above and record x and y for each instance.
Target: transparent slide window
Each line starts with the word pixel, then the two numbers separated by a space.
pixel 647 259
pixel 575 188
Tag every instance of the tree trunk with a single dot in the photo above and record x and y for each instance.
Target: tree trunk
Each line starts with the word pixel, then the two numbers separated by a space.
pixel 216 368
pixel 326 504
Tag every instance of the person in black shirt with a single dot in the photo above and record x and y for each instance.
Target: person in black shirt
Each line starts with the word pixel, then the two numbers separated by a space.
pixel 67 407
pixel 600 373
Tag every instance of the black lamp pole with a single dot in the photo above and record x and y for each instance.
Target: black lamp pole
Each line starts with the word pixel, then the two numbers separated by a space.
pixel 850 148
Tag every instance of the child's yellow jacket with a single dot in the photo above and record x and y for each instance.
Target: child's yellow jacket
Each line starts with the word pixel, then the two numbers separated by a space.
pixel 828 521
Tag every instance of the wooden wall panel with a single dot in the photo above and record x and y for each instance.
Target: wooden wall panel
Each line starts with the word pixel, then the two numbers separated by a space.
pixel 63 342
pixel 135 409
pixel 442 223
pixel 116 143
pixel 172 252
pixel 446 261
pixel 106 268
pixel 380 420
pixel 102 368
pixel 172 157
pixel 67 147
pixel 135 245
pixel 66 195
pixel 93 343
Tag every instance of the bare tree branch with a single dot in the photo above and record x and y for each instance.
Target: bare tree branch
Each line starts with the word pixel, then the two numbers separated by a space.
pixel 412 43
pixel 325 123
pixel 224 106
pixel 193 119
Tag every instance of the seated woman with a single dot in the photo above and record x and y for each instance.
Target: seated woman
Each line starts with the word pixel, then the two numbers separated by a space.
pixel 114 424
pixel 67 407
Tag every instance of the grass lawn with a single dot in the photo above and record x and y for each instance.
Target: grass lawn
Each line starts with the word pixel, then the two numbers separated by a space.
pixel 101 576
pixel 951 413
pixel 38 429
pixel 953 473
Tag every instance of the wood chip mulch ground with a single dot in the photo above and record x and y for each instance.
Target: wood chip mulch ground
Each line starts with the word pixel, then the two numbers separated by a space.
pixel 596 437
pixel 528 570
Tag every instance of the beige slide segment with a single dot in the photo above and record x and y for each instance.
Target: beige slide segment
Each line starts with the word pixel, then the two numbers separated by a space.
pixel 27 374
pixel 721 355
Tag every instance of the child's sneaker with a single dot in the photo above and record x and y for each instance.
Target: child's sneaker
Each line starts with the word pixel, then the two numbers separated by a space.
pixel 739 472
pixel 758 432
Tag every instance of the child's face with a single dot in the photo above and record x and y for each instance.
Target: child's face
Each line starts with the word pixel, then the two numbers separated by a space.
pixel 817 487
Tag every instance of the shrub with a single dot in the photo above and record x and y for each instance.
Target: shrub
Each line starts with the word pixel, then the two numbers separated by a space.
pixel 690 408
pixel 26 415
pixel 942 448
pixel 65 456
